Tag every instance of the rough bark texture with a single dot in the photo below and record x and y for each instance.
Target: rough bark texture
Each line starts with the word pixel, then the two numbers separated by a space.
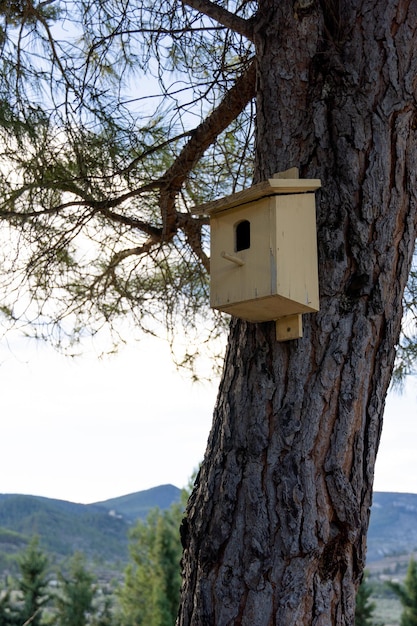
pixel 276 527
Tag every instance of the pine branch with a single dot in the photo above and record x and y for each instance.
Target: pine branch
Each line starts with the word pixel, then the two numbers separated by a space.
pixel 203 136
pixel 224 17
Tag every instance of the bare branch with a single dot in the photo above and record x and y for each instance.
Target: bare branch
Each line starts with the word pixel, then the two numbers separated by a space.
pixel 153 232
pixel 118 257
pixel 203 136
pixel 224 17
pixel 150 151
pixel 192 230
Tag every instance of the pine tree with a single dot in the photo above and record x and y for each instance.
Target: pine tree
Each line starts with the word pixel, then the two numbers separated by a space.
pixel 97 200
pixel 150 594
pixel 9 616
pixel 407 594
pixel 364 607
pixel 33 584
pixel 74 602
pixel 104 614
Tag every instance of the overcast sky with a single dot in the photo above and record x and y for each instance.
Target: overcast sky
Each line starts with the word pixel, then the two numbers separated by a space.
pixel 88 430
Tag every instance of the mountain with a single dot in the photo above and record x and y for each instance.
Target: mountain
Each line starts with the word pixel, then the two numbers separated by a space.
pixel 393 525
pixel 137 505
pixel 64 527
pixel 100 530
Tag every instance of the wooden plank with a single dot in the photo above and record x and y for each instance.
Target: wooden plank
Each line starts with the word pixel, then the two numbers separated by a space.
pixel 271 187
pixel 291 173
pixel 289 327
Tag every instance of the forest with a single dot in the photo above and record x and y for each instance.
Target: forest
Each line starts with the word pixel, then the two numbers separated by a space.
pixel 148 592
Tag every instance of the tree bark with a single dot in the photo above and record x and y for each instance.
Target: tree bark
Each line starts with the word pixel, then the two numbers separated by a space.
pixel 275 531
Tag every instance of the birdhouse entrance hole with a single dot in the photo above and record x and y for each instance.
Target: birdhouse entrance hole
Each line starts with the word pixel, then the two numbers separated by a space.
pixel 242 236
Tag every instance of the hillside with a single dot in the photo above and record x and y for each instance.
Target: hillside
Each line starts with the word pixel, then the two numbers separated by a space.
pixel 137 505
pixel 63 528
pixel 393 525
pixel 100 530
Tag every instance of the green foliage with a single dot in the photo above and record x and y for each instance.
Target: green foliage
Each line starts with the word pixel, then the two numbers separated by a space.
pixel 104 615
pixel 97 532
pixel 61 525
pixel 8 614
pixel 150 594
pixel 406 357
pixel 364 607
pixel 29 599
pixel 407 594
pixel 33 583
pixel 95 188
pixel 25 598
pixel 74 602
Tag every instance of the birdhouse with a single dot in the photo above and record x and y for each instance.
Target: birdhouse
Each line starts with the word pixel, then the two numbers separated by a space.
pixel 263 263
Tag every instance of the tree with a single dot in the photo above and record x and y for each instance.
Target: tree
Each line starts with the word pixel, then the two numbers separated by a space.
pixel 23 600
pixel 407 593
pixel 32 584
pixel 8 614
pixel 151 591
pixel 74 602
pixel 104 614
pixel 364 607
pixel 277 522
pixel 276 526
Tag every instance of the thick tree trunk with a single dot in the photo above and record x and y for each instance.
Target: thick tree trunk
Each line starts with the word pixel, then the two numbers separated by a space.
pixel 276 526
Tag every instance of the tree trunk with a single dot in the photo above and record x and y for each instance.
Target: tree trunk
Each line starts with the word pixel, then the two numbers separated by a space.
pixel 276 526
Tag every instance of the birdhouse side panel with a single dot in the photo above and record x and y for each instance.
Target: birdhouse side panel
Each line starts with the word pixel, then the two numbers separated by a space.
pixel 296 250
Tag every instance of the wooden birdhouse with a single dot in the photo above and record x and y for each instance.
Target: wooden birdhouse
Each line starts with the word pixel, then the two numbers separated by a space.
pixel 263 263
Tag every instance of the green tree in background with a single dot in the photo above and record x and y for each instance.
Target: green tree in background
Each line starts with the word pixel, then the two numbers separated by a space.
pixel 150 594
pixel 407 594
pixel 74 603
pixel 104 615
pixel 24 598
pixel 364 607
pixel 8 614
pixel 33 584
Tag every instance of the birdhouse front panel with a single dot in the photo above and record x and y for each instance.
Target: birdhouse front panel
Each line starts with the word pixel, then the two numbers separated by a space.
pixel 264 258
pixel 240 260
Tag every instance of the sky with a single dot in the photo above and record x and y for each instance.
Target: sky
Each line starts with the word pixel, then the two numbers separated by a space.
pixel 90 429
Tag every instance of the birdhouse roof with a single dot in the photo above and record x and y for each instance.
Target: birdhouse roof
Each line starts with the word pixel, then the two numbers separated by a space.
pixel 270 187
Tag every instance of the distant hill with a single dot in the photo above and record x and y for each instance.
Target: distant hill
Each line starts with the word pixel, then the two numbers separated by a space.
pixel 137 505
pixel 393 525
pixel 62 527
pixel 100 530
